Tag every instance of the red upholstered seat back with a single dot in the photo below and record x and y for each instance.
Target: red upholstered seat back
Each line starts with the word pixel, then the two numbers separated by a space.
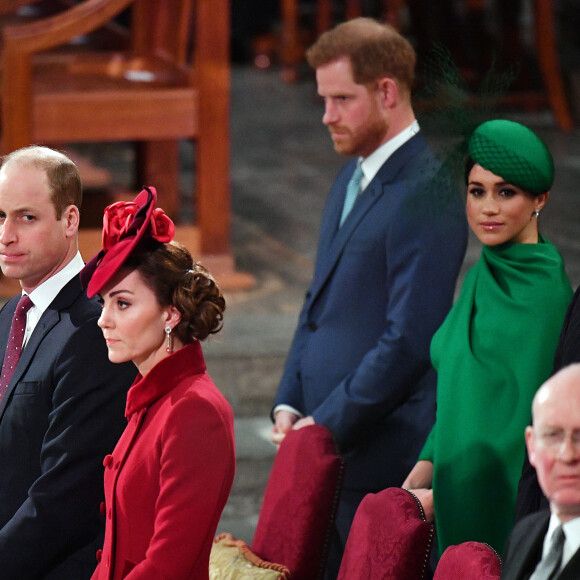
pixel 389 538
pixel 300 502
pixel 473 560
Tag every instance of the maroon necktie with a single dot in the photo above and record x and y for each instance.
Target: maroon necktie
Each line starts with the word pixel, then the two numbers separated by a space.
pixel 14 347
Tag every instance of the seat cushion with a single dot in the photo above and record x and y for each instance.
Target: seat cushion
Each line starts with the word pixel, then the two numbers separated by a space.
pixel 473 560
pixel 232 559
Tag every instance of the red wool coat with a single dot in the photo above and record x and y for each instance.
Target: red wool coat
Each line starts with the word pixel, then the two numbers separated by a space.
pixel 168 479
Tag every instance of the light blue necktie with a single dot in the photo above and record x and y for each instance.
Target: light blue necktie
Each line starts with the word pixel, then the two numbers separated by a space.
pixel 352 191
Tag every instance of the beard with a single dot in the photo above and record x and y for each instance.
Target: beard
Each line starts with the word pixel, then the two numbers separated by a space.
pixel 362 141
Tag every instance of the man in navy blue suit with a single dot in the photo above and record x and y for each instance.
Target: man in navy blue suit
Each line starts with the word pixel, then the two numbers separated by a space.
pixel 386 268
pixel 63 408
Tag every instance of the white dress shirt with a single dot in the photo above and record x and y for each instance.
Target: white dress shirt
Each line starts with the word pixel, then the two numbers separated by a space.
pixel 371 164
pixel 572 542
pixel 43 295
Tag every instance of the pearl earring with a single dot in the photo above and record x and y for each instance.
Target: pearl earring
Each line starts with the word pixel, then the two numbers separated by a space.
pixel 536 213
pixel 169 347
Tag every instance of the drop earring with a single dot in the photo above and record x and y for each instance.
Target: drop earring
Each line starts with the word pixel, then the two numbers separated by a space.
pixel 169 347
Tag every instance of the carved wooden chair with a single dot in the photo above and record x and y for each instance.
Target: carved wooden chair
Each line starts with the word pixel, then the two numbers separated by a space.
pixel 171 83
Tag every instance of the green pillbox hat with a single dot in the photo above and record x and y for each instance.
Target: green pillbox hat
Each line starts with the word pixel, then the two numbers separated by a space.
pixel 515 153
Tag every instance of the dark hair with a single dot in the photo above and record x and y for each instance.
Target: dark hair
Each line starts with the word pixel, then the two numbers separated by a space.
pixel 62 174
pixel 375 51
pixel 169 270
pixel 470 163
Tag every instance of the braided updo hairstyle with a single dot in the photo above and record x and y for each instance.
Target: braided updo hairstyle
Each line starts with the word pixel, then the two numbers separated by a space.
pixel 169 270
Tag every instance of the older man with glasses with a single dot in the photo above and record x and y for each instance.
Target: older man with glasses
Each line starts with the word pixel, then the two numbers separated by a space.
pixel 546 545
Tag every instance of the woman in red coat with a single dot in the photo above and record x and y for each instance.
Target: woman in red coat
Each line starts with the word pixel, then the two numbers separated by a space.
pixel 169 477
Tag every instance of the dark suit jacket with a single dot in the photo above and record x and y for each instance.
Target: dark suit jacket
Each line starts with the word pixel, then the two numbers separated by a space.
pixel 383 283
pixel 63 412
pixel 524 550
pixel 530 497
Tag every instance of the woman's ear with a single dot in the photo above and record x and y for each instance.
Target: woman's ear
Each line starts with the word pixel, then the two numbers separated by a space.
pixel 173 316
pixel 541 200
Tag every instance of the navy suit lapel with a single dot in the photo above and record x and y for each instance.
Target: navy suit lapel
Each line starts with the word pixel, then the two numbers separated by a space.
pixel 48 320
pixel 7 314
pixel 332 238
pixel 333 210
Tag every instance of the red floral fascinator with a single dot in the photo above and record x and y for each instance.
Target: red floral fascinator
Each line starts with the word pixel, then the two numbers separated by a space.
pixel 125 224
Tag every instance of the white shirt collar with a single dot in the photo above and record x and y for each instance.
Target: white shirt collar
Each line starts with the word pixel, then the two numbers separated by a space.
pixel 371 164
pixel 43 295
pixel 572 542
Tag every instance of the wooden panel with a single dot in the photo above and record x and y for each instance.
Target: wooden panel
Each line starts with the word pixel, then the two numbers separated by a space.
pixel 115 116
pixel 158 165
pixel 213 72
pixel 176 86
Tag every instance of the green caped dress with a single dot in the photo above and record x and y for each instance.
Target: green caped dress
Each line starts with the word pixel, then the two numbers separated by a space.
pixel 492 352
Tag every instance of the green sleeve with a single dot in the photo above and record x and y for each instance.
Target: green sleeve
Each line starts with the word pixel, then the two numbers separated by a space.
pixel 427 451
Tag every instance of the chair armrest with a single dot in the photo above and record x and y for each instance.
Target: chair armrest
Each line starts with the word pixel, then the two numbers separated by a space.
pixel 56 30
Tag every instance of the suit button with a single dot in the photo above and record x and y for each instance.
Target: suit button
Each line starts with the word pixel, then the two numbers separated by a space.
pixel 313 326
pixel 102 508
pixel 99 555
pixel 108 460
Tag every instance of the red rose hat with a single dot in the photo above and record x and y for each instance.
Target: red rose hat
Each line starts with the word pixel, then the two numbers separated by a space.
pixel 125 224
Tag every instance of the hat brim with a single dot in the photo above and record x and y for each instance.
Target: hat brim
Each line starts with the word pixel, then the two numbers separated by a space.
pixel 103 267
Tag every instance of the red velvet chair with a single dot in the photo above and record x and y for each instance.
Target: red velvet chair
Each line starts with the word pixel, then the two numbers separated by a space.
pixel 473 560
pixel 389 539
pixel 297 512
pixel 300 503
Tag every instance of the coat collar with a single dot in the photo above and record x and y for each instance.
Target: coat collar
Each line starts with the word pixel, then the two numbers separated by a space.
pixel 163 377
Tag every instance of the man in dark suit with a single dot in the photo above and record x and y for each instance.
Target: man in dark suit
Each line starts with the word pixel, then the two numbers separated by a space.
pixel 62 410
pixel 536 548
pixel 530 498
pixel 385 271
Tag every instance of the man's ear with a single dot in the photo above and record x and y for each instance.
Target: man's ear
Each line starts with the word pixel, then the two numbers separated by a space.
pixel 388 90
pixel 72 218
pixel 531 445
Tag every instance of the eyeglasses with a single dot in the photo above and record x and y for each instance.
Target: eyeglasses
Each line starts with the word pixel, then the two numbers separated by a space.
pixel 554 439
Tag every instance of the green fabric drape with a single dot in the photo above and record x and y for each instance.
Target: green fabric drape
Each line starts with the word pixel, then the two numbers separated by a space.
pixel 493 351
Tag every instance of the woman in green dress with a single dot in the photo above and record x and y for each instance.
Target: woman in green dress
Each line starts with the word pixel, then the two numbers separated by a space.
pixel 496 346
